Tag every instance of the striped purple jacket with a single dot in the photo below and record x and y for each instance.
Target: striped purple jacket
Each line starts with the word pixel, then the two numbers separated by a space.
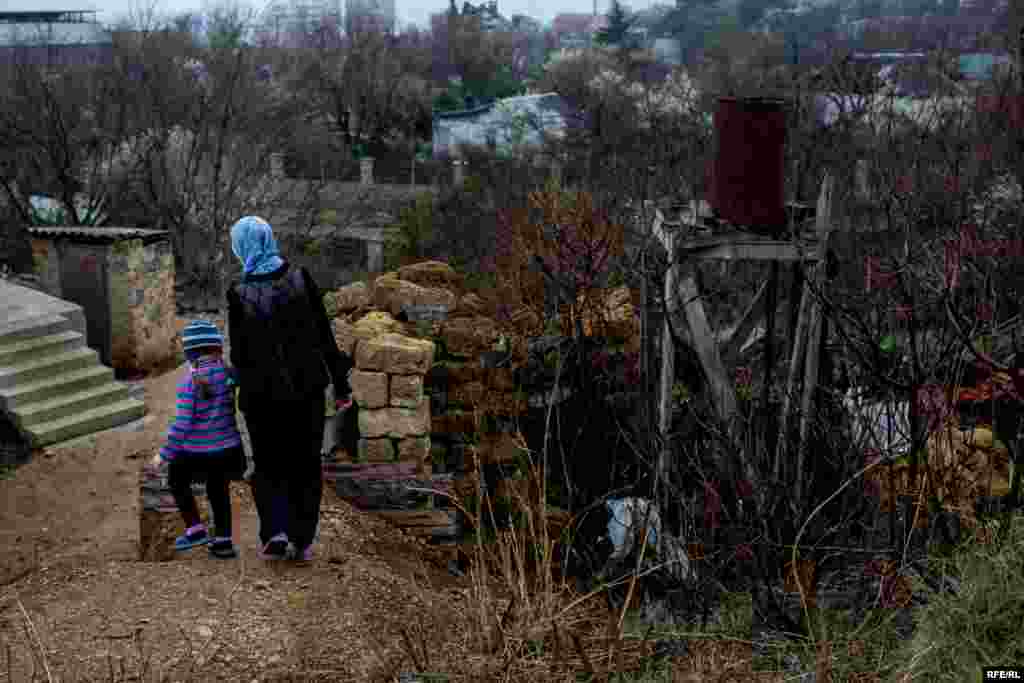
pixel 205 419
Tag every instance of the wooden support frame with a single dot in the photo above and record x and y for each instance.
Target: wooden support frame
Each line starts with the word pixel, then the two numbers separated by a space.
pixel 745 246
pixel 714 354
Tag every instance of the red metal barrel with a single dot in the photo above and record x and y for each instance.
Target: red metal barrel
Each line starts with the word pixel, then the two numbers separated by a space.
pixel 749 163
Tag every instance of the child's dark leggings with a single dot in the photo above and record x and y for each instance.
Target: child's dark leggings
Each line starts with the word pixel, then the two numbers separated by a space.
pixel 216 470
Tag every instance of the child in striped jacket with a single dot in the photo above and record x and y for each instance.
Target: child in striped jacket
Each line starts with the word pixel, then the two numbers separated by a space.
pixel 203 442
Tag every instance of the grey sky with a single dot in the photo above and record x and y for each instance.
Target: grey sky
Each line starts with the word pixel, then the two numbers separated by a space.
pixel 414 11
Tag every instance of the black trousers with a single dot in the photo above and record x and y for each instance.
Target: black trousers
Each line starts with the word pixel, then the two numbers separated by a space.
pixel 216 470
pixel 287 478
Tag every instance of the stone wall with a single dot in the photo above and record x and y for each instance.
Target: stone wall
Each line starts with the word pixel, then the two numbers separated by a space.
pixel 142 304
pixel 465 389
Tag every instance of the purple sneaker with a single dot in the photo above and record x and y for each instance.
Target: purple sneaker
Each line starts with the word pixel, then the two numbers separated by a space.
pixel 192 537
pixel 305 556
pixel 275 549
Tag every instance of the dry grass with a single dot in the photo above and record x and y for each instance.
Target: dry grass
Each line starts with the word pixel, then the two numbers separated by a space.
pixel 522 620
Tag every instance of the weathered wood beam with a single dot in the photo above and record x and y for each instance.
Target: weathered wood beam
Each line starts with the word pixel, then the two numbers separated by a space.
pixel 824 227
pixel 792 381
pixel 804 329
pixel 732 344
pixel 755 251
pixel 770 304
pixel 706 346
pixel 668 357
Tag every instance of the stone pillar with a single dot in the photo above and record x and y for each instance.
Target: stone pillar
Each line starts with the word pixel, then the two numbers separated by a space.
pixel 460 172
pixel 366 171
pixel 393 447
pixel 277 165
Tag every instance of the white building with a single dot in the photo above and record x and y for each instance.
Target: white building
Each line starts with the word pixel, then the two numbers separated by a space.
pixel 284 19
pixel 53 32
pixel 378 14
pixel 510 125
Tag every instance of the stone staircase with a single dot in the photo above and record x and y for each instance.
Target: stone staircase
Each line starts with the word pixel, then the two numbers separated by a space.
pixel 54 387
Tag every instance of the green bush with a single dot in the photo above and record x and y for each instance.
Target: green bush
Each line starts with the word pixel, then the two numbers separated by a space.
pixel 409 238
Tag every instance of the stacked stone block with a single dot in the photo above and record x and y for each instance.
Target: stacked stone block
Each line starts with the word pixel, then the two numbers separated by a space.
pixel 436 418
pixel 392 459
pixel 142 301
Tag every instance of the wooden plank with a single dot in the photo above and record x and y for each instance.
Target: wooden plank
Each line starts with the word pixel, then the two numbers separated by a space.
pixel 731 345
pixel 755 251
pixel 668 356
pixel 771 289
pixel 823 220
pixel 417 518
pixel 707 347
pixel 374 471
pixel 703 236
pixel 795 364
pixel 429 523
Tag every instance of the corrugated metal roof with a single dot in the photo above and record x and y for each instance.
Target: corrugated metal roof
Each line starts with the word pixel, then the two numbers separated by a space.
pixel 53 34
pixel 97 234
pixel 39 6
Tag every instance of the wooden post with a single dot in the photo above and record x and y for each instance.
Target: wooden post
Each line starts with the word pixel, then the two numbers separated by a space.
pixel 795 363
pixel 814 332
pixel 769 353
pixel 804 328
pixel 796 289
pixel 668 354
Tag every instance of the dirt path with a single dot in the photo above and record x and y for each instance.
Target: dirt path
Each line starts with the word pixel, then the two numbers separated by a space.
pixel 75 600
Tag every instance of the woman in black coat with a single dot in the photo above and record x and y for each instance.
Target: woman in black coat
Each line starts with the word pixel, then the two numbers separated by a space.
pixel 284 352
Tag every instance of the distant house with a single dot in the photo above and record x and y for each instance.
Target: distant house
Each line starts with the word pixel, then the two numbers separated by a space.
pixel 908 74
pixel 505 125
pixel 490 18
pixel 525 24
pixel 53 32
pixel 924 32
pixel 979 67
pixel 668 50
pixel 574 31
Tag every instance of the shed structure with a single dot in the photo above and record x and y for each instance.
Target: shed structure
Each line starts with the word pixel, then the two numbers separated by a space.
pixel 123 278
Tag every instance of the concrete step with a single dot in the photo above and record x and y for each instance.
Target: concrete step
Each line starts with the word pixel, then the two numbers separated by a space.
pixel 86 422
pixel 52 366
pixel 52 387
pixel 70 404
pixel 22 350
pixel 37 326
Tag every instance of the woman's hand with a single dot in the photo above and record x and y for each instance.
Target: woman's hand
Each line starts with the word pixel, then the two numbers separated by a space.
pixel 157 461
